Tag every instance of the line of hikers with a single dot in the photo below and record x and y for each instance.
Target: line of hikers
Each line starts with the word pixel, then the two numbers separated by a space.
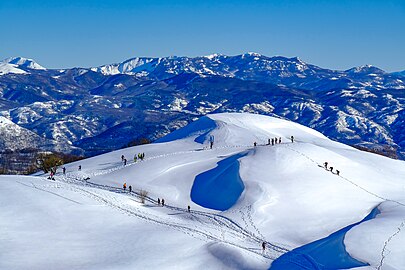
pixel 325 164
pixel 274 141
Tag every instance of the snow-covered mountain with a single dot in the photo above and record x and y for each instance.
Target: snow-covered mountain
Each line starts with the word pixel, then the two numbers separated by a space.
pixel 150 97
pixel 292 72
pixel 18 65
pixel 239 196
pixel 23 63
pixel 27 139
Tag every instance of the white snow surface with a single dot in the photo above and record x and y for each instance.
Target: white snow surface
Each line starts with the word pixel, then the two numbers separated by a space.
pixel 23 62
pixel 289 200
pixel 6 68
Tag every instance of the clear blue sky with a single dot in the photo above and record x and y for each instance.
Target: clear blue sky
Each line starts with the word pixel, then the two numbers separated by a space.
pixel 336 34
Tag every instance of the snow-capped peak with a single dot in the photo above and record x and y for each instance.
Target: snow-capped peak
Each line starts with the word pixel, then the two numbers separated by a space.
pixel 23 62
pixel 212 56
pixel 253 54
pixel 366 69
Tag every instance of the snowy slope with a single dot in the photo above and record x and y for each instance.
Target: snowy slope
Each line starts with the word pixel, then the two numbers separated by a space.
pixel 18 65
pixel 23 63
pixel 287 199
pixel 6 68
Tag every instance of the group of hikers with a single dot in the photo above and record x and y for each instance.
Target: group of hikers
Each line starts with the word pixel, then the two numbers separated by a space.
pixel 124 186
pixel 274 141
pixel 54 169
pixel 325 164
pixel 161 201
pixel 139 156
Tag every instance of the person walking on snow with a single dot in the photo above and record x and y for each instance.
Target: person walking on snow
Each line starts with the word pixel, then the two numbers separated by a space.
pixel 337 172
pixel 80 167
pixel 263 246
pixel 163 202
pixel 125 161
pixel 331 169
pixel 326 165
pixel 272 141
pixel 254 144
pixel 211 141
pixel 64 170
pixel 122 158
pixel 158 201
pixel 124 186
pixel 130 189
pixel 279 140
pixel 292 138
pixel 188 208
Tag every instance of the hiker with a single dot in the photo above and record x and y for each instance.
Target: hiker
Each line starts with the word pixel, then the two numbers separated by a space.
pixel 275 140
pixel 264 246
pixel 122 158
pixel 279 140
pixel 331 169
pixel 130 189
pixel 80 167
pixel 337 172
pixel 211 141
pixel 143 156
pixel 272 141
pixel 326 165
pixel 64 170
pixel 135 158
pixel 292 138
pixel 268 142
pixel 125 161
pixel 124 186
pixel 158 201
pixel 188 208
pixel 163 202
pixel 254 144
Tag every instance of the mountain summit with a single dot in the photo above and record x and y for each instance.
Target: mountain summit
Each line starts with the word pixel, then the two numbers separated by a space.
pixel 22 62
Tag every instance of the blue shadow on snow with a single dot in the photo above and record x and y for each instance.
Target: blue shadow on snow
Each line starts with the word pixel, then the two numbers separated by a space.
pixel 219 188
pixel 328 253
pixel 200 127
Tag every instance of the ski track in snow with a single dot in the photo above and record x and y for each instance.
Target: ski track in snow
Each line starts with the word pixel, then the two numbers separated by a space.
pixel 385 250
pixel 400 227
pixel 209 226
pixel 346 179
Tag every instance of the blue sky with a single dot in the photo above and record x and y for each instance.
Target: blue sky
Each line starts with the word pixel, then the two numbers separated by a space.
pixel 336 34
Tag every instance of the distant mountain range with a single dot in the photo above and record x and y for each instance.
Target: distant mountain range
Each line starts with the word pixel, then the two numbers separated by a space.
pixel 94 110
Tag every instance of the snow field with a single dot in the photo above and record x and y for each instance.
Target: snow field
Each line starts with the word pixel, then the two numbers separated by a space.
pixel 288 200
